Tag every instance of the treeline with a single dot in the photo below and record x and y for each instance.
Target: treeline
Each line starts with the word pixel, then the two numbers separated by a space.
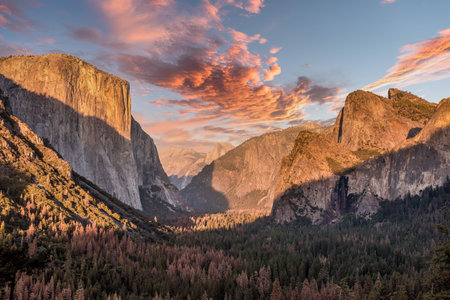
pixel 387 257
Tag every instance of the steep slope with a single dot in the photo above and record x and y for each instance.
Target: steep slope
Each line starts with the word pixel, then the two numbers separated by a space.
pixel 347 176
pixel 242 178
pixel 35 181
pixel 85 115
pixel 182 164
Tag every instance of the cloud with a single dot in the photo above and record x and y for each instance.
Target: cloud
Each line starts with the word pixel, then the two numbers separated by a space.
pixel 254 6
pixel 13 17
pixel 251 6
pixel 275 50
pixel 271 60
pixel 186 49
pixel 272 72
pixel 316 93
pixel 387 1
pixel 421 62
pixel 45 41
pixel 7 50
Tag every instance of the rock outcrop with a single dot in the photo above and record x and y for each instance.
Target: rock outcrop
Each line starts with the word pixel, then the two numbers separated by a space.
pixel 84 114
pixel 244 176
pixel 326 176
pixel 181 164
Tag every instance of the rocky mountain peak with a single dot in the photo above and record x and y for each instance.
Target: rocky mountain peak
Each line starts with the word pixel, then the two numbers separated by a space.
pixel 369 121
pixel 217 151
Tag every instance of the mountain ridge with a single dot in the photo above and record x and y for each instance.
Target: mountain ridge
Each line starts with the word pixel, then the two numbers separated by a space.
pixel 372 167
pixel 242 178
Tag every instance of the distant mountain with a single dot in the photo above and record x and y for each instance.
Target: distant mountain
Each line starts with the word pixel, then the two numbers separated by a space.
pixel 379 149
pixel 243 177
pixel 182 164
pixel 85 114
pixel 217 151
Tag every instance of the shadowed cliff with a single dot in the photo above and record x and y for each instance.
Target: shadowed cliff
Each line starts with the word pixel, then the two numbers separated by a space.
pixel 84 114
pixel 35 176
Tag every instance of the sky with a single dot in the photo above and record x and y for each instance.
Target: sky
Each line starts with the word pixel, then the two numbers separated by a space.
pixel 212 71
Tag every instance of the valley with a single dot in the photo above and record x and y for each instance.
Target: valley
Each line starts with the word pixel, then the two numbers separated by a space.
pixel 356 208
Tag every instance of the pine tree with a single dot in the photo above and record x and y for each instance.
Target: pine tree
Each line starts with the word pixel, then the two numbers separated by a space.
pixel 276 291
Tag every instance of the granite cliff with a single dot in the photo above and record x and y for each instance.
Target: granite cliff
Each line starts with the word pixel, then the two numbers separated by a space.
pixel 182 164
pixel 34 176
pixel 243 177
pixel 379 149
pixel 85 115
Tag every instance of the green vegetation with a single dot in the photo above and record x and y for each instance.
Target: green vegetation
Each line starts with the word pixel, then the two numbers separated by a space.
pixel 364 154
pixel 234 255
pixel 412 107
pixel 336 167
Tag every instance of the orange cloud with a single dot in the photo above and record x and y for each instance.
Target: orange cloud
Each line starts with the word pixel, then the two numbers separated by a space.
pixel 189 51
pixel 271 60
pixel 273 71
pixel 421 62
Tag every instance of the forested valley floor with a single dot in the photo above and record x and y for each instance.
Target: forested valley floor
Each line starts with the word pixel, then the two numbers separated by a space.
pixel 398 254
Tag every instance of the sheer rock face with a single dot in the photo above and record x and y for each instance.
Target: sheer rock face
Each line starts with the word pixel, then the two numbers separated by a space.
pixel 85 115
pixel 183 164
pixel 243 178
pixel 324 178
pixel 152 180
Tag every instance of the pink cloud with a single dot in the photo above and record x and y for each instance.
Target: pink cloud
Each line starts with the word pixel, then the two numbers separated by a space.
pixel 251 6
pixel 254 6
pixel 421 62
pixel 13 17
pixel 46 41
pixel 271 60
pixel 6 50
pixel 387 1
pixel 275 50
